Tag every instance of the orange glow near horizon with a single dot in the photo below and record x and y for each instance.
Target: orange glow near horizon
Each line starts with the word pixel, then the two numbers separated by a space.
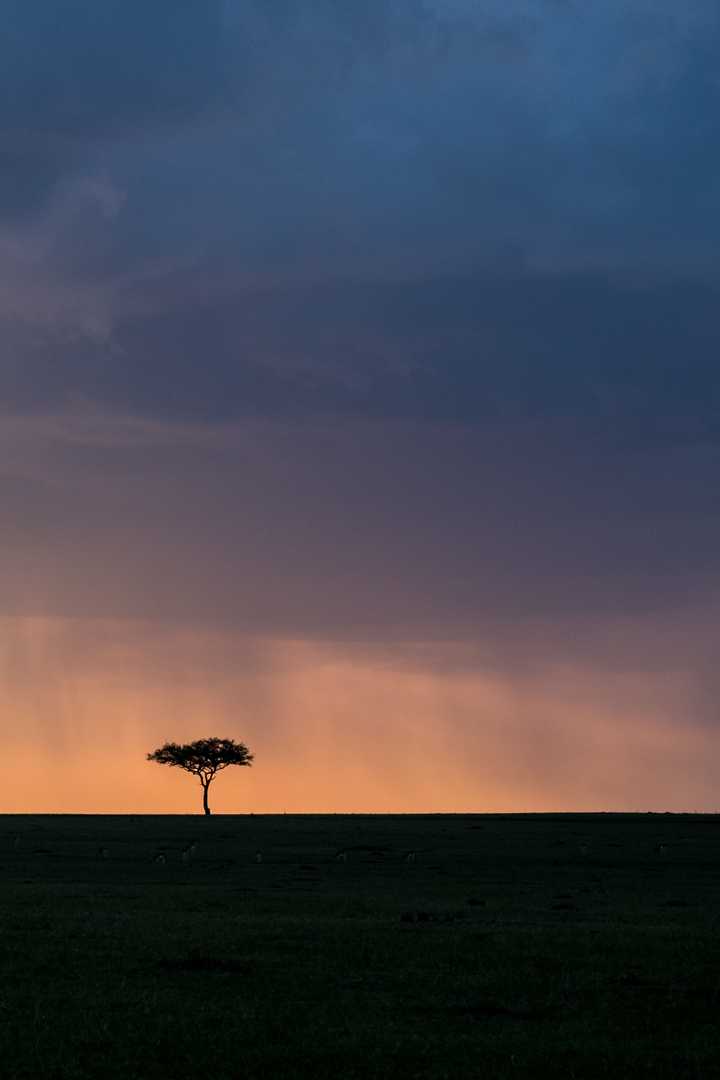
pixel 334 728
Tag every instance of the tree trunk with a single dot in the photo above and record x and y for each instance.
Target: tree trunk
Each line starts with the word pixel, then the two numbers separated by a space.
pixel 206 808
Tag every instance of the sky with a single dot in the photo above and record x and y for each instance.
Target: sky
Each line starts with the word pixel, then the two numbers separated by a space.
pixel 359 400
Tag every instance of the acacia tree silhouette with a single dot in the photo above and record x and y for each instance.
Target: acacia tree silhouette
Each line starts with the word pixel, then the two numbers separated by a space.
pixel 204 758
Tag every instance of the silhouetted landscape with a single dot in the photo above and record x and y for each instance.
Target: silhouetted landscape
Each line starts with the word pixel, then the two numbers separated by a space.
pixel 359 946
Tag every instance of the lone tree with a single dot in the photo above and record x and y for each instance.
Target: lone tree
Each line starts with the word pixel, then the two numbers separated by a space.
pixel 204 758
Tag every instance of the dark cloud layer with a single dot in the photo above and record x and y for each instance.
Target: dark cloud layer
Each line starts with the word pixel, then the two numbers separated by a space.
pixel 353 530
pixel 77 74
pixel 412 217
pixel 630 364
pixel 412 210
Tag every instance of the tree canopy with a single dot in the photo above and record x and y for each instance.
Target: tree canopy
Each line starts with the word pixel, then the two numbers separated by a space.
pixel 204 758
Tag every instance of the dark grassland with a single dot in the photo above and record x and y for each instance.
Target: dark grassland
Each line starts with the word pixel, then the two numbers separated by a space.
pixel 510 946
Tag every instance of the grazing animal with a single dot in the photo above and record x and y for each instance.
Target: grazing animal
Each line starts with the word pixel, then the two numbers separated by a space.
pixel 661 849
pixel 160 857
pixel 411 856
pixel 258 856
pixel 342 856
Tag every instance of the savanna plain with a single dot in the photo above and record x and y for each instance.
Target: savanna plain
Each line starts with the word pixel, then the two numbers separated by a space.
pixel 346 946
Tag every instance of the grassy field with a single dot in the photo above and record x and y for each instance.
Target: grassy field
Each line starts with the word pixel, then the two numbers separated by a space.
pixel 357 946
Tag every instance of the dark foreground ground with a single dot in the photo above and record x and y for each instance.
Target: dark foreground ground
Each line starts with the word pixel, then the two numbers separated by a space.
pixel 509 946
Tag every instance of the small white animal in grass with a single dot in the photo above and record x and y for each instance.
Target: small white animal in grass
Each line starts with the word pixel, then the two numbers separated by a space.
pixel 661 849
pixel 411 857
pixel 103 853
pixel 160 857
pixel 342 856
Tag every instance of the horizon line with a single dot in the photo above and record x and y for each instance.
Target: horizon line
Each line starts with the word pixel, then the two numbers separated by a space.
pixel 342 813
